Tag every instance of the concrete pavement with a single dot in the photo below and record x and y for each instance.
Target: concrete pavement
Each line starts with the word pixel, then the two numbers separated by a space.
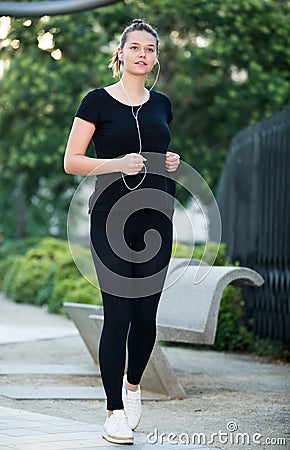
pixel 227 393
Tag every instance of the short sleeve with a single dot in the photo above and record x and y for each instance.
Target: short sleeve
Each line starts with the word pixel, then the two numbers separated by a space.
pixel 89 108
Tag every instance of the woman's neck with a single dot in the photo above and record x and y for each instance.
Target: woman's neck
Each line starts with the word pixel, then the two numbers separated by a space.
pixel 134 86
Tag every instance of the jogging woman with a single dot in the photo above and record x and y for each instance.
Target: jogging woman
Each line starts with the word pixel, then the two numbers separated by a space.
pixel 131 215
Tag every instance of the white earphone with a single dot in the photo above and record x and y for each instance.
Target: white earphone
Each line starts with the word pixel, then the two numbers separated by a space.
pixel 135 115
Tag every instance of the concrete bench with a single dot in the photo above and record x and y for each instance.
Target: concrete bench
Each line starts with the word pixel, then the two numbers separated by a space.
pixel 188 312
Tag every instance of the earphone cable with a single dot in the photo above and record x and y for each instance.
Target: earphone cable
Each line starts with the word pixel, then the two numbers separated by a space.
pixel 135 115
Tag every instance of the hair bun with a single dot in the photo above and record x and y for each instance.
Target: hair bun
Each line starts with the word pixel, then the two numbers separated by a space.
pixel 137 21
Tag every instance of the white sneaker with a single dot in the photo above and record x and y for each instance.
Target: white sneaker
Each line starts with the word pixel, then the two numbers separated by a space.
pixel 132 404
pixel 116 428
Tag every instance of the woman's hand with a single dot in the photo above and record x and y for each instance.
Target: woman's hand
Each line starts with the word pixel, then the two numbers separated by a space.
pixel 172 161
pixel 131 164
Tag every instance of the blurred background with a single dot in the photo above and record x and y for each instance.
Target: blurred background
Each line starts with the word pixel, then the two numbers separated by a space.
pixel 224 64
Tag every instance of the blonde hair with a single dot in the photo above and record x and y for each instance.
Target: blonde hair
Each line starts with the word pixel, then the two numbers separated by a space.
pixel 137 25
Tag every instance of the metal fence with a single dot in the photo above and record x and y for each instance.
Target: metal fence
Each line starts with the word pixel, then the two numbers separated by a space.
pixel 254 200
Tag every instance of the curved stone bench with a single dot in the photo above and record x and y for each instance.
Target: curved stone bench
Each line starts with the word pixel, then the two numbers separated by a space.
pixel 188 312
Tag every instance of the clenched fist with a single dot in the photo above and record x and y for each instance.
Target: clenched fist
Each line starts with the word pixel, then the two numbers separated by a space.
pixel 172 161
pixel 131 164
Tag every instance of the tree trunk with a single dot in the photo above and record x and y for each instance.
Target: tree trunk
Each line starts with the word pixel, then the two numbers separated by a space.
pixel 20 208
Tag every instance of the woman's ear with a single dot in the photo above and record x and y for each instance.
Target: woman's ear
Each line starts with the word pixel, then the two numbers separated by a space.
pixel 120 54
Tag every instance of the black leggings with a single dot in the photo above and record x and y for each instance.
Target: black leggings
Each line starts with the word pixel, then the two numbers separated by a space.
pixel 131 286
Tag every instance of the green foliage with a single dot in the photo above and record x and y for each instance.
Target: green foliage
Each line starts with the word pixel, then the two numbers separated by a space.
pixel 274 349
pixel 208 253
pixel 225 64
pixel 181 250
pixel 28 277
pixel 50 248
pixel 45 292
pixel 45 275
pixel 15 248
pixel 8 251
pixel 202 252
pixel 232 333
pixel 80 291
pixel 5 266
pixel 10 276
pixel 39 96
pixel 69 286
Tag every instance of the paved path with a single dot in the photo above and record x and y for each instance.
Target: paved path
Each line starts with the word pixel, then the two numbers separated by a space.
pixel 24 430
pixel 23 323
pixel 43 351
pixel 29 431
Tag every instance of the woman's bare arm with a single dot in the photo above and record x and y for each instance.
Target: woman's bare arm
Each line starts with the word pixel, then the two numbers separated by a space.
pixel 75 159
pixel 76 162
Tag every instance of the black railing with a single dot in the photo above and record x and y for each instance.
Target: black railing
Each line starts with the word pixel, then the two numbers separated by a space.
pixel 254 200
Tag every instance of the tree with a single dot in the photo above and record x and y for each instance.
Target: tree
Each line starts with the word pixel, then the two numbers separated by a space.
pixel 225 64
pixel 50 65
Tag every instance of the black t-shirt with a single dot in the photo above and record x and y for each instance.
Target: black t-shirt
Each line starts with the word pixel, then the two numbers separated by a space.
pixel 116 135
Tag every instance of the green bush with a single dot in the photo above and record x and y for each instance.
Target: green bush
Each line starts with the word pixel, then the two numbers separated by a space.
pixel 45 292
pixel 213 250
pixel 65 284
pixel 19 247
pixel 273 348
pixel 50 248
pixel 5 265
pixel 25 277
pixel 201 252
pixel 232 333
pixel 9 250
pixel 79 291
pixel 44 274
pixel 28 276
pixel 10 275
pixel 65 268
pixel 181 250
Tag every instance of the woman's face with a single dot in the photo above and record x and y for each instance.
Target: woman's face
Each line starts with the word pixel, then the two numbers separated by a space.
pixel 139 53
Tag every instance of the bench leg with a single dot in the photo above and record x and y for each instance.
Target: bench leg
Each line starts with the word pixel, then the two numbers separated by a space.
pixel 79 314
pixel 159 376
